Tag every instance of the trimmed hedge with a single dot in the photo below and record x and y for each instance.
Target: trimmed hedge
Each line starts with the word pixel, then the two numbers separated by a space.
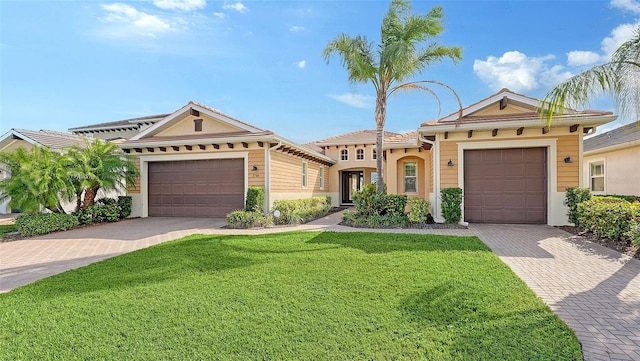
pixel 248 219
pixel 354 219
pixel 35 224
pixel 255 199
pixel 629 199
pixel 575 196
pixel 296 211
pixel 125 204
pixel 104 210
pixel 610 217
pixel 418 210
pixel 451 204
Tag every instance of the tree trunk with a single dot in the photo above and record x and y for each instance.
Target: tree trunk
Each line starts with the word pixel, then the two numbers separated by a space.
pixel 381 114
pixel 89 197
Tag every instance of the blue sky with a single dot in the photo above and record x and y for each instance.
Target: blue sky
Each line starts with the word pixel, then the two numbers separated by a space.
pixel 65 64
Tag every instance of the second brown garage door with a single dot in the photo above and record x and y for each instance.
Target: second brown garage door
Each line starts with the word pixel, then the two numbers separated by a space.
pixel 505 185
pixel 196 188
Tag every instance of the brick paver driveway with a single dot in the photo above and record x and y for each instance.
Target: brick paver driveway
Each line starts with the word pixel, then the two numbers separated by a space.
pixel 595 290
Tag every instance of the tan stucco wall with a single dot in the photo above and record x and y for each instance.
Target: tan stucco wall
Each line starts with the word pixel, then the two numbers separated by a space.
pixel 395 171
pixel 209 126
pixel 368 165
pixel 621 170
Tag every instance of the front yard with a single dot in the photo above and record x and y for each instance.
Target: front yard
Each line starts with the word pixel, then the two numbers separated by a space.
pixel 284 296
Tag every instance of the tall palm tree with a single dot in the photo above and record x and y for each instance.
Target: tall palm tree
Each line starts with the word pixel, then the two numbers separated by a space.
pixel 619 77
pixel 397 58
pixel 38 178
pixel 99 165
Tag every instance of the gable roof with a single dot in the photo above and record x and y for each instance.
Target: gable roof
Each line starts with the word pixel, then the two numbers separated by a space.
pixel 475 115
pixel 625 134
pixel 47 138
pixel 168 120
pixel 356 137
pixel 121 125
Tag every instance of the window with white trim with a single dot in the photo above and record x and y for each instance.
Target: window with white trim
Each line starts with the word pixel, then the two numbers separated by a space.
pixel 305 171
pixel 321 176
pixel 359 154
pixel 410 177
pixel 596 175
pixel 344 154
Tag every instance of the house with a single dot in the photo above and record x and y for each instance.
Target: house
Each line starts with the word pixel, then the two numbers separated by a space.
pixel 23 138
pixel 198 161
pixel 511 167
pixel 611 161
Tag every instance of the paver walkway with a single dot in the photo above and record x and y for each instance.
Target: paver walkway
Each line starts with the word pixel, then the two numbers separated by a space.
pixel 594 289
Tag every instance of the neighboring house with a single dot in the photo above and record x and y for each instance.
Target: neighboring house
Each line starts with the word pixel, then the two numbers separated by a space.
pixel 23 138
pixel 198 161
pixel 118 130
pixel 611 163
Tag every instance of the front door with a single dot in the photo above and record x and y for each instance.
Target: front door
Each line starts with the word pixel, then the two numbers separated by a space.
pixel 352 182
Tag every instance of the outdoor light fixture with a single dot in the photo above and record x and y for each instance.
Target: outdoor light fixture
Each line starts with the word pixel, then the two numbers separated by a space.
pixel 567 159
pixel 254 168
pixel 450 164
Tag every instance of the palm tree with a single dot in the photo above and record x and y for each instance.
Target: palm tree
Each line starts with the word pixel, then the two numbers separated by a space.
pixel 99 165
pixel 38 178
pixel 397 58
pixel 619 77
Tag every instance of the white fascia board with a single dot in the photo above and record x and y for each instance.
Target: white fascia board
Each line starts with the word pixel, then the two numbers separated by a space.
pixel 610 148
pixel 399 145
pixel 584 121
pixel 245 138
pixel 291 144
pixel 11 133
pixel 485 103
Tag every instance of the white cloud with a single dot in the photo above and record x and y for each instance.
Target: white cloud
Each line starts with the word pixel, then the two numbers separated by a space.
pixel 220 15
pixel 239 7
pixel 518 72
pixel 301 64
pixel 578 58
pixel 131 21
pixel 184 5
pixel 630 5
pixel 355 100
pixel 618 36
pixel 296 28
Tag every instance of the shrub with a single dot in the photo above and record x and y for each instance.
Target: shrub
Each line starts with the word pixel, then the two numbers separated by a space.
pixel 418 210
pixel 296 211
pixel 607 217
pixel 255 199
pixel 394 205
pixel 125 203
pixel 104 210
pixel 33 224
pixel 451 204
pixel 247 219
pixel 575 196
pixel 629 199
pixel 369 201
pixel 354 219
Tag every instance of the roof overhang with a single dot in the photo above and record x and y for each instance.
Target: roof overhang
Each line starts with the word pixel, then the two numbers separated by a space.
pixel 631 144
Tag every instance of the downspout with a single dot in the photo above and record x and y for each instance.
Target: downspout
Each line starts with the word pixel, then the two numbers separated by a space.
pixel 267 174
pixel 436 171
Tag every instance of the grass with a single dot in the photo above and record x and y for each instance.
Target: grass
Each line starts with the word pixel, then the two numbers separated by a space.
pixel 287 296
pixel 6 228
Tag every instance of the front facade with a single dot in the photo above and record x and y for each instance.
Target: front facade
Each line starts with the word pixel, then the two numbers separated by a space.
pixel 611 162
pixel 198 161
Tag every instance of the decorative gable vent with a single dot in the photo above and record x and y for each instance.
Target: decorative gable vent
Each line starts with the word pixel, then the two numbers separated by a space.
pixel 197 125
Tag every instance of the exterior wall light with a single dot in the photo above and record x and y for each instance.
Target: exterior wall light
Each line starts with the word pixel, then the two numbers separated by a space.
pixel 567 159
pixel 450 163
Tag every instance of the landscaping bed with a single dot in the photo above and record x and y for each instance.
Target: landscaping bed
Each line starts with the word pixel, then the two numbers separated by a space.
pixel 619 245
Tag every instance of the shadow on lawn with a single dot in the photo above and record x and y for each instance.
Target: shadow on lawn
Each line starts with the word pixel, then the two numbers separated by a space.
pixel 180 259
pixel 397 242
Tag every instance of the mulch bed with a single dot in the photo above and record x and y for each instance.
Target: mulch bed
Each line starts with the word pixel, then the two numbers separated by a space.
pixel 620 246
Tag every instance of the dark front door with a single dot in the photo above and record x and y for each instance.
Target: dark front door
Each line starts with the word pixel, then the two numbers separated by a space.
pixel 352 182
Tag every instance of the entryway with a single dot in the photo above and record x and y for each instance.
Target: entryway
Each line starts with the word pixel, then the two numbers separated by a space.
pixel 352 182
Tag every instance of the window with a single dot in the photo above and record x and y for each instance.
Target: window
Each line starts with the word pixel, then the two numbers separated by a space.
pixel 344 154
pixel 596 173
pixel 198 125
pixel 359 154
pixel 410 177
pixel 321 176
pixel 374 177
pixel 305 171
pixel 374 155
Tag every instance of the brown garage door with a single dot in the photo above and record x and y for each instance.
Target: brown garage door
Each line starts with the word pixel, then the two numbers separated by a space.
pixel 505 185
pixel 196 188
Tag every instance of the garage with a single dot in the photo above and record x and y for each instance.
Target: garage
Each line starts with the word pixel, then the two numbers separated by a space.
pixel 505 185
pixel 196 188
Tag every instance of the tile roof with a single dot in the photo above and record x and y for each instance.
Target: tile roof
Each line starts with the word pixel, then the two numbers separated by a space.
pixel 222 114
pixel 119 124
pixel 624 134
pixel 409 137
pixel 50 138
pixel 356 137
pixel 193 138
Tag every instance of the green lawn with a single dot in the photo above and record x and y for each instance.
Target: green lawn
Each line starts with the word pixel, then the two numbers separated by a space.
pixel 6 228
pixel 287 296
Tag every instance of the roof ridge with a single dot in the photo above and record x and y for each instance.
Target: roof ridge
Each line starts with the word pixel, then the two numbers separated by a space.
pixel 222 113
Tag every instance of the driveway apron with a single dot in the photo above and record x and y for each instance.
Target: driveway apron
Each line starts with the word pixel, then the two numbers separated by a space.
pixel 596 291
